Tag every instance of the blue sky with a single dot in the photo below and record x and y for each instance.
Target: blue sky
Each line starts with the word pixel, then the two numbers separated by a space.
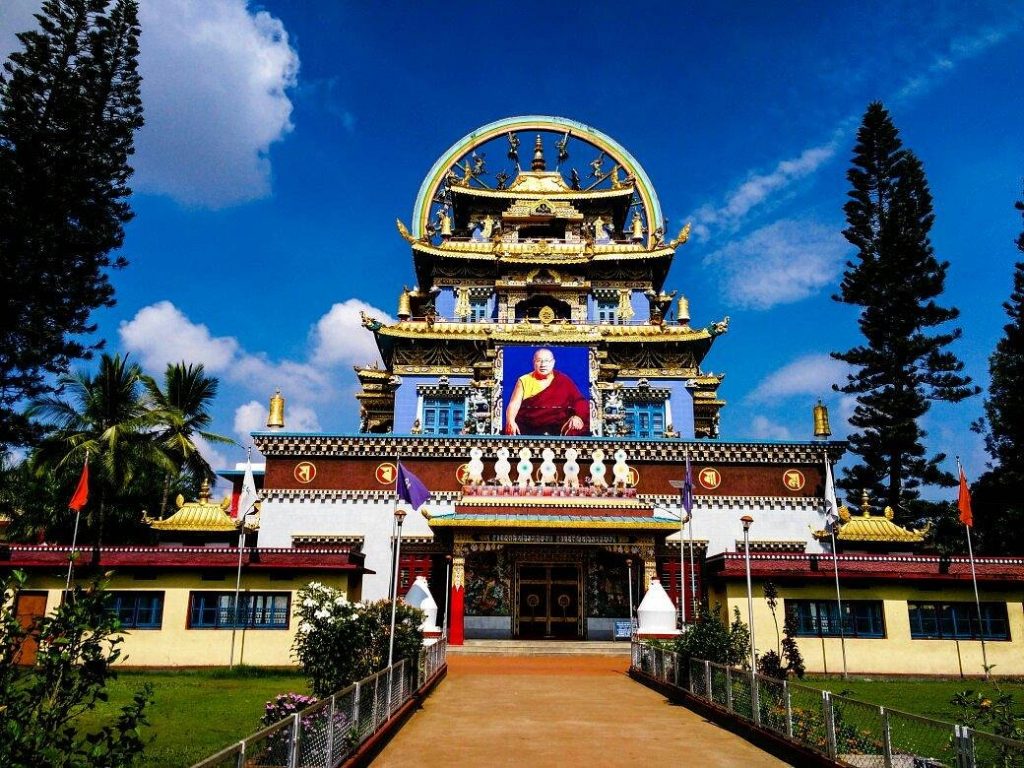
pixel 283 139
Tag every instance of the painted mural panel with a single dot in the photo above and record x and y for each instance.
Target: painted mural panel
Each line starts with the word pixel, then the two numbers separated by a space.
pixel 545 390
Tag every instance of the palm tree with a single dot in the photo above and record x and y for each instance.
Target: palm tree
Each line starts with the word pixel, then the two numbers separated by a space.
pixel 105 417
pixel 181 407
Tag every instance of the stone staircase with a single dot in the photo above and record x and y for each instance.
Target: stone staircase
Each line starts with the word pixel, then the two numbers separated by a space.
pixel 542 648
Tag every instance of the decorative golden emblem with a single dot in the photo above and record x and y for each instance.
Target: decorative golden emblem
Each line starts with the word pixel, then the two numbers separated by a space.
pixel 462 474
pixel 710 478
pixel 305 471
pixel 793 479
pixel 546 315
pixel 634 478
pixel 386 473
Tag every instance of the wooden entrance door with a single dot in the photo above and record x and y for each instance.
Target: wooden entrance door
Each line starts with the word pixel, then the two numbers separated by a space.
pixel 548 600
pixel 29 607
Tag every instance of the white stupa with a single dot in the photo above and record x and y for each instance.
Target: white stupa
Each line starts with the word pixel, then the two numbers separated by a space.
pixel 656 613
pixel 419 596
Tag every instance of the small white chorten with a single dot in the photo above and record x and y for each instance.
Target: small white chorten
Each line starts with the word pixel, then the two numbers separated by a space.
pixel 419 596
pixel 656 613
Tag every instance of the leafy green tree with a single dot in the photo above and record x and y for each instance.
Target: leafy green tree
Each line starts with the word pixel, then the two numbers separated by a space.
pixel 106 417
pixel 69 109
pixel 182 406
pixel 710 638
pixel 41 706
pixel 904 364
pixel 999 493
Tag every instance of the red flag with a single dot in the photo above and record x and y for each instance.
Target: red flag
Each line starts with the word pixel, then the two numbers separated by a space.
pixel 82 491
pixel 963 502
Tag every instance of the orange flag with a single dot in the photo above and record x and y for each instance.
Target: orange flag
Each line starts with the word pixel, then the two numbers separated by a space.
pixel 82 491
pixel 963 502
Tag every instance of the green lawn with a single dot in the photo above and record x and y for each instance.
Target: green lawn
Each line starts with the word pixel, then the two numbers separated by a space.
pixel 196 712
pixel 921 697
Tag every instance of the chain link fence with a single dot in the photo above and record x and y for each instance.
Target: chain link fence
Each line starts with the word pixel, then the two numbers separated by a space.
pixel 326 733
pixel 850 732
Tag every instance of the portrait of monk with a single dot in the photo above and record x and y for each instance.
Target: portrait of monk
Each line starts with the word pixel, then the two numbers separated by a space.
pixel 546 402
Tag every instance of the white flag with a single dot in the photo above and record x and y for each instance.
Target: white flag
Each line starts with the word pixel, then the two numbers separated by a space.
pixel 248 497
pixel 831 503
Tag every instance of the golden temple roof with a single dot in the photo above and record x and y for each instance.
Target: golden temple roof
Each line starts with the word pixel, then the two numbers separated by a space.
pixel 868 527
pixel 550 185
pixel 201 516
pixel 555 331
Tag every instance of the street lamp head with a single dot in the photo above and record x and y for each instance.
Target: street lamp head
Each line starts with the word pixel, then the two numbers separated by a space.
pixel 629 562
pixel 747 521
pixel 400 515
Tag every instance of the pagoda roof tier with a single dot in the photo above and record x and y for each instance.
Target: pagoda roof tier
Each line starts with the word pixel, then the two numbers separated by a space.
pixel 872 528
pixel 525 331
pixel 531 185
pixel 541 251
pixel 363 445
pixel 200 516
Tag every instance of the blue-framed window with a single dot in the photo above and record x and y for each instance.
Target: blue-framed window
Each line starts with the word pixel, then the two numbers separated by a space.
pixel 939 620
pixel 607 310
pixel 478 309
pixel 257 610
pixel 645 419
pixel 138 609
pixel 443 417
pixel 820 618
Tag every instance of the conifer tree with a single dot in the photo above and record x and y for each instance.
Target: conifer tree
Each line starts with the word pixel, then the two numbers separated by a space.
pixel 69 108
pixel 904 363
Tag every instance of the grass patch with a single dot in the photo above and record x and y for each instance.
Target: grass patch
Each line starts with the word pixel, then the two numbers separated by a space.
pixel 196 712
pixel 929 698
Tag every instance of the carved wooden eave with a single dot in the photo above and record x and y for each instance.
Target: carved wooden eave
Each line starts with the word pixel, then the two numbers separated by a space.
pixel 292 444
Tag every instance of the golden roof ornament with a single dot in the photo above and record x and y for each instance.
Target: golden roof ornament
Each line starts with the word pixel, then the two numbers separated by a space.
pixel 865 527
pixel 538 163
pixel 683 310
pixel 276 418
pixel 682 237
pixel 822 430
pixel 200 516
pixel 404 305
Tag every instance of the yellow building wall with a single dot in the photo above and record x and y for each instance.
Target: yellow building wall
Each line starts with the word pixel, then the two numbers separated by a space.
pixel 175 645
pixel 896 653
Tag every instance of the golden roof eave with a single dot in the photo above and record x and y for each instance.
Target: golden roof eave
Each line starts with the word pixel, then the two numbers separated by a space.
pixel 568 195
pixel 563 253
pixel 483 331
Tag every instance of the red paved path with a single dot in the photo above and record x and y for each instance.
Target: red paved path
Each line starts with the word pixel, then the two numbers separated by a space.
pixel 557 711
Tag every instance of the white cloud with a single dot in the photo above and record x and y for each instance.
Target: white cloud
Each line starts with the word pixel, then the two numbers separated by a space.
pixel 215 87
pixel 783 262
pixel 250 417
pixel 762 428
pixel 339 337
pixel 809 375
pixel 160 334
pixel 215 80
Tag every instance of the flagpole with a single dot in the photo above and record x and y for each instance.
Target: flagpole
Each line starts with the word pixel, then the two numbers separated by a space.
pixel 835 566
pixel 974 576
pixel 74 536
pixel 246 497
pixel 396 545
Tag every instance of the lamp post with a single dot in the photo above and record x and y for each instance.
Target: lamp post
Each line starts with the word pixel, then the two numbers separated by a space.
pixel 747 521
pixel 399 519
pixel 238 584
pixel 629 577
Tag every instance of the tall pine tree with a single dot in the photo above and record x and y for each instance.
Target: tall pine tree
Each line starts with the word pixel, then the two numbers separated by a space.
pixel 69 109
pixel 904 363
pixel 999 493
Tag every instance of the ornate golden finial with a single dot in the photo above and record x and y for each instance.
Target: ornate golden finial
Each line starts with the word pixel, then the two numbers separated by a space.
pixel 538 156
pixel 682 237
pixel 683 310
pixel 404 231
pixel 404 305
pixel 865 504
pixel 821 427
pixel 204 492
pixel 636 226
pixel 276 418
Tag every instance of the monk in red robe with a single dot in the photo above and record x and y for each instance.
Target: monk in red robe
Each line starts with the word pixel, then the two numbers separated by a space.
pixel 546 402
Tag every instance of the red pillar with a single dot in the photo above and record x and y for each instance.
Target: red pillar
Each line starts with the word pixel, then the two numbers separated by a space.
pixel 456 625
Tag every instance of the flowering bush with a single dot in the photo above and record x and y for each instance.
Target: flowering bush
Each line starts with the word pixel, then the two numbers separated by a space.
pixel 339 642
pixel 285 705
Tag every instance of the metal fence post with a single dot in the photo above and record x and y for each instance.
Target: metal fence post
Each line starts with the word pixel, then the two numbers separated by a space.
pixel 755 698
pixel 707 681
pixel 963 739
pixel 293 756
pixel 728 688
pixel 355 711
pixel 376 699
pixel 886 738
pixel 789 708
pixel 689 674
pixel 830 723
pixel 240 762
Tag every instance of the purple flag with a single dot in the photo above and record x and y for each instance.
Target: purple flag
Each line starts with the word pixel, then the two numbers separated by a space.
pixel 410 488
pixel 688 489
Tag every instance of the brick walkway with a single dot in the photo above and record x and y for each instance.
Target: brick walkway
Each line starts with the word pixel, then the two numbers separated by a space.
pixel 557 711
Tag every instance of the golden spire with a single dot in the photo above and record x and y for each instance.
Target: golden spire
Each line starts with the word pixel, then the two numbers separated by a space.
pixel 276 418
pixel 404 305
pixel 822 429
pixel 538 156
pixel 204 492
pixel 683 311
pixel 865 505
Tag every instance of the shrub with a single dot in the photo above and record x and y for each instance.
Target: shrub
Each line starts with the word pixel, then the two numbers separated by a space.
pixel 710 639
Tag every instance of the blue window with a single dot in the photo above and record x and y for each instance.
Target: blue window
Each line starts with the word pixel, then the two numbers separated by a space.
pixel 820 618
pixel 478 310
pixel 936 621
pixel 138 609
pixel 257 610
pixel 645 419
pixel 607 310
pixel 443 417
